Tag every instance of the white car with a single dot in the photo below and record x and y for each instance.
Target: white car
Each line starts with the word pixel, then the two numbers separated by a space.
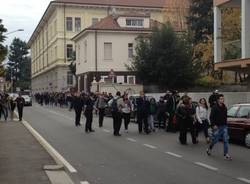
pixel 27 99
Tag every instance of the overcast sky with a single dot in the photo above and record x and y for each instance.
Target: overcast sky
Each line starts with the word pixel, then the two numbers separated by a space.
pixel 21 14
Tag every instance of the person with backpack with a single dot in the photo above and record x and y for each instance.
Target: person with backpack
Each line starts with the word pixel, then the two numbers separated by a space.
pixel 101 103
pixel 116 105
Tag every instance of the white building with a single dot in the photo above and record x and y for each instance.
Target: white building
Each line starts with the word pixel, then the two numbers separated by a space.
pixel 240 65
pixel 108 46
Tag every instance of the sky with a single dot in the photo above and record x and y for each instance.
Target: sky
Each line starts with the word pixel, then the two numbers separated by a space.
pixel 21 14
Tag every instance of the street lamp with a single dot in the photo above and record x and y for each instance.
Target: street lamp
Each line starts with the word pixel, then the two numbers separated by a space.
pixel 13 31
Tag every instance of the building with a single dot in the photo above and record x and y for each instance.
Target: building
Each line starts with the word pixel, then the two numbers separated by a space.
pixel 241 65
pixel 51 45
pixel 107 48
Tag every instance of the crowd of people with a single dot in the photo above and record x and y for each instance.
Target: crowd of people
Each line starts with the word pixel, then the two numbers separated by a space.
pixel 171 112
pixel 8 104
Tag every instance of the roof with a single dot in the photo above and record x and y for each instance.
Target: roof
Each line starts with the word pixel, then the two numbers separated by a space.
pixel 131 3
pixel 110 23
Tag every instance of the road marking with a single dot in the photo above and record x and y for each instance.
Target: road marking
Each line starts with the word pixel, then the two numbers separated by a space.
pixel 105 130
pixel 174 154
pixel 57 156
pixel 244 180
pixel 131 140
pixel 206 166
pixel 84 182
pixel 150 146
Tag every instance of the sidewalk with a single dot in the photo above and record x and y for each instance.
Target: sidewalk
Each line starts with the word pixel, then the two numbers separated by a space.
pixel 21 157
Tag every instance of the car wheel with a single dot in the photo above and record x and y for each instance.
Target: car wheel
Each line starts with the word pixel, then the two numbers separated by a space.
pixel 247 140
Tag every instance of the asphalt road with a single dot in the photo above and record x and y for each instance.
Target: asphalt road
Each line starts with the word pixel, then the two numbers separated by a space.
pixel 101 158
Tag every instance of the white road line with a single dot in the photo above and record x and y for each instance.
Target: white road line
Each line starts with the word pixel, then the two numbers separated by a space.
pixel 57 156
pixel 131 140
pixel 174 154
pixel 244 180
pixel 105 130
pixel 150 146
pixel 206 166
pixel 84 182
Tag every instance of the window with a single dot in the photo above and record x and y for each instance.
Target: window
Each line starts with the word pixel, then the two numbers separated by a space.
pixel 69 78
pixel 55 52
pixel 69 23
pixel 130 50
pixel 131 80
pixel 55 27
pixel 107 51
pixel 244 112
pixel 120 79
pixel 94 21
pixel 134 22
pixel 232 111
pixel 77 24
pixel 85 51
pixel 69 50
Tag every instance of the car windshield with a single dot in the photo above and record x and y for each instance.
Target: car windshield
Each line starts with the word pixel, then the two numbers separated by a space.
pixel 232 111
pixel 244 112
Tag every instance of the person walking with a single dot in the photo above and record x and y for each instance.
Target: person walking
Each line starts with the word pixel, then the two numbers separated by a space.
pixel 142 105
pixel 12 106
pixel 126 111
pixel 152 114
pixel 101 104
pixel 161 113
pixel 218 119
pixel 116 105
pixel 185 115
pixel 20 104
pixel 202 117
pixel 88 112
pixel 78 107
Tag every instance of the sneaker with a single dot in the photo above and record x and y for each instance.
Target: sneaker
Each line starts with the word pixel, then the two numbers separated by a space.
pixel 209 151
pixel 227 157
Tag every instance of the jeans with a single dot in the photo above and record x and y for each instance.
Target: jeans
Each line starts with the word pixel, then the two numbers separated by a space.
pixel 151 121
pixel 220 132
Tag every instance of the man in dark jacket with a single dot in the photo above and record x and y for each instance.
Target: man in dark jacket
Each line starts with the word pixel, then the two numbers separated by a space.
pixel 20 104
pixel 143 107
pixel 218 119
pixel 88 112
pixel 77 104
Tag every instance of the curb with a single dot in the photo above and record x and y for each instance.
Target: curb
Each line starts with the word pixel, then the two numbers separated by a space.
pixel 57 174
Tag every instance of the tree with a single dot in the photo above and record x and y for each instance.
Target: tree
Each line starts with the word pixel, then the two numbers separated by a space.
pixel 19 61
pixel 200 19
pixel 164 59
pixel 3 49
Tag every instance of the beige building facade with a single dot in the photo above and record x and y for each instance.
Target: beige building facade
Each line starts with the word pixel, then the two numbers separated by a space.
pixel 51 45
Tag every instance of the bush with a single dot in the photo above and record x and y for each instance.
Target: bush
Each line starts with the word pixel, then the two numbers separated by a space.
pixel 208 81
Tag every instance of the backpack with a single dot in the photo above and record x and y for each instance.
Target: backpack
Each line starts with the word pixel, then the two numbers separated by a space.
pixel 114 107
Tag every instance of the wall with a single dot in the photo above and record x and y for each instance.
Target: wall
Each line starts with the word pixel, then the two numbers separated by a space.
pixel 230 97
pixel 119 51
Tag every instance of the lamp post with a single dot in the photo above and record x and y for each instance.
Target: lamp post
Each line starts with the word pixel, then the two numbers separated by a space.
pixel 18 30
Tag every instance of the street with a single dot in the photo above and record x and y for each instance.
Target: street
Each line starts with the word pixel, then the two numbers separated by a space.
pixel 101 158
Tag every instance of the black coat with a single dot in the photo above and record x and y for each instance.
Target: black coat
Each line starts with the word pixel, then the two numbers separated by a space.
pixel 142 105
pixel 218 115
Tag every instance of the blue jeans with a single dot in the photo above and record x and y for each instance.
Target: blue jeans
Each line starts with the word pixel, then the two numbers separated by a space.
pixel 220 132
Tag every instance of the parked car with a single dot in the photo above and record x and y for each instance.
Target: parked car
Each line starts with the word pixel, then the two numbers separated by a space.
pixel 239 123
pixel 28 100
